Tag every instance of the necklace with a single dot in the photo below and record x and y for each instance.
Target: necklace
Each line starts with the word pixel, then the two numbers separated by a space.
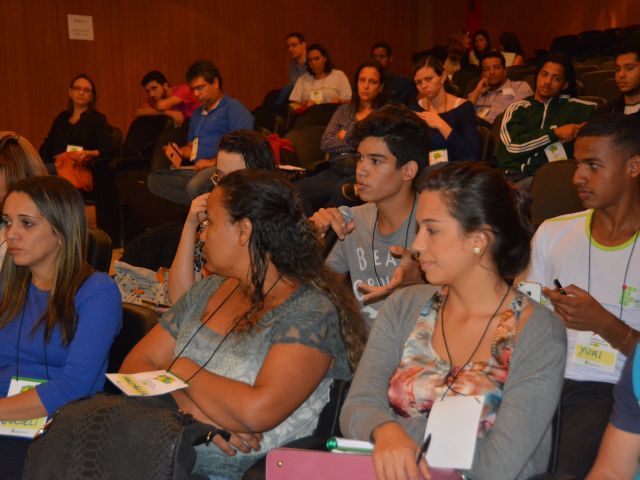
pixel 626 269
pixel 451 377
pixel 373 237
pixel 226 335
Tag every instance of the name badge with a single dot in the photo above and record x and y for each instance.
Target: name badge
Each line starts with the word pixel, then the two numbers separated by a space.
pixel 22 428
pixel 147 384
pixel 74 148
pixel 508 91
pixel 316 96
pixel 555 152
pixel 453 425
pixel 438 156
pixel 593 351
pixel 194 149
pixel 482 112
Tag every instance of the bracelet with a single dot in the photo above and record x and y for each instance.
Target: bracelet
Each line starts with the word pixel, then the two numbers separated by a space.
pixel 626 339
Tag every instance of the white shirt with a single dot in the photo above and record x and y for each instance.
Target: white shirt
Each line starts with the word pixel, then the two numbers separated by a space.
pixel 560 249
pixel 334 86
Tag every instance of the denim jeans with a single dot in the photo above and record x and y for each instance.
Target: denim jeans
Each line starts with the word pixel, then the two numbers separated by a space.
pixel 585 411
pixel 180 186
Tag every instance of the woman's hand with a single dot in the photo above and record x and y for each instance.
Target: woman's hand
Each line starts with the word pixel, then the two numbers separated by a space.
pixel 394 454
pixel 197 211
pixel 245 442
pixel 433 120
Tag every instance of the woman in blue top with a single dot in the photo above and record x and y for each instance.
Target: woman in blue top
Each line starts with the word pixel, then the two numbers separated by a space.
pixel 58 318
pixel 451 120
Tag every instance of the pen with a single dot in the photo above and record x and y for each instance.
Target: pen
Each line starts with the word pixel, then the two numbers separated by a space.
pixel 423 448
pixel 558 285
pixel 154 304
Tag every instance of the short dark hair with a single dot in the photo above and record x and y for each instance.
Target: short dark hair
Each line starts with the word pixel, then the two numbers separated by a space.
pixel 205 69
pixel 382 97
pixel 385 45
pixel 153 76
pixel 297 35
pixel 624 130
pixel 94 93
pixel 569 72
pixel 628 47
pixel 510 43
pixel 328 66
pixel 254 147
pixel 494 54
pixel 404 133
pixel 479 197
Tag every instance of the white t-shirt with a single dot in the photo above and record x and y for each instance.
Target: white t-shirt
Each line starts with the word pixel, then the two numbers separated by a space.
pixel 631 109
pixel 335 86
pixel 560 249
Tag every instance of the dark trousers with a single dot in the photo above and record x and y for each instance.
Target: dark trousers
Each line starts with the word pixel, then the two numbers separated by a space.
pixel 13 452
pixel 585 410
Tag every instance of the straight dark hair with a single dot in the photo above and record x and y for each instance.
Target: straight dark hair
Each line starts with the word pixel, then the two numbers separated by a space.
pixel 328 66
pixel 382 97
pixel 569 72
pixel 205 69
pixel 94 93
pixel 62 206
pixel 624 131
pixel 254 147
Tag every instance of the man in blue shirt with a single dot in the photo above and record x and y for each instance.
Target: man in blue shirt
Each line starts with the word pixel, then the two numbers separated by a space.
pixel 217 116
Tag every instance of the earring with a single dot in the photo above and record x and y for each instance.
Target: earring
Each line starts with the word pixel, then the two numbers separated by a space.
pixel 476 250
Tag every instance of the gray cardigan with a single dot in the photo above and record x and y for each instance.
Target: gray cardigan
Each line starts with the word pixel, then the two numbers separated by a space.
pixel 519 445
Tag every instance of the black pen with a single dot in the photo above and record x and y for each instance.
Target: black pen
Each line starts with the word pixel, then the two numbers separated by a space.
pixel 423 448
pixel 558 285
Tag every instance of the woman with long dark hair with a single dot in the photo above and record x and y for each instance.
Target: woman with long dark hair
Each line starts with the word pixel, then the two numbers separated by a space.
pixel 261 339
pixel 469 333
pixel 58 317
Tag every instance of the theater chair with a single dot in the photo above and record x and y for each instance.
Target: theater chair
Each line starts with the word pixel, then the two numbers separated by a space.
pixel 99 250
pixel 553 193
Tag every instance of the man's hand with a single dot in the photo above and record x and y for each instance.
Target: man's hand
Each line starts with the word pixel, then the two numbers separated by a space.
pixel 205 163
pixel 568 132
pixel 481 89
pixel 579 310
pixel 176 116
pixel 331 217
pixel 407 273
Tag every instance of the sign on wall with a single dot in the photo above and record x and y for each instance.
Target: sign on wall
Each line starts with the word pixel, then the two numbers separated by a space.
pixel 80 27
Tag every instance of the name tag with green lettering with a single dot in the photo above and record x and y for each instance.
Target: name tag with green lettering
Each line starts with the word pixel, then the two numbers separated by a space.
pixel 22 428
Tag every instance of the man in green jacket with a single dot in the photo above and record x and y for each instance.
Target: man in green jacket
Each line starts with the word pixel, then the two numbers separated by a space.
pixel 542 128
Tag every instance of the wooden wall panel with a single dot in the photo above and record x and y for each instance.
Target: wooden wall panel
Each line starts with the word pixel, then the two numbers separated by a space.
pixel 243 37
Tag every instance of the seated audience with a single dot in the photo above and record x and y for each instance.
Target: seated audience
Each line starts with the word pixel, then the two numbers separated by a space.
pixel 468 333
pixel 177 103
pixel 628 80
pixel 393 145
pixel 217 116
pixel 369 94
pixel 275 316
pixel 451 120
pixel 297 48
pixel 594 257
pixel 480 46
pixel 511 49
pixel 58 317
pixel 322 83
pixel 542 128
pixel 80 131
pixel 238 150
pixel 18 160
pixel 620 448
pixel 400 89
pixel 495 92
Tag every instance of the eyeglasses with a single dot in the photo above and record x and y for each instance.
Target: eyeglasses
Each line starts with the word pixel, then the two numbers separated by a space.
pixel 216 176
pixel 81 89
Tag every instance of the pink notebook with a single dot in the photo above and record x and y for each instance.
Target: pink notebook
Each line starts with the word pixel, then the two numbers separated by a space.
pixel 296 464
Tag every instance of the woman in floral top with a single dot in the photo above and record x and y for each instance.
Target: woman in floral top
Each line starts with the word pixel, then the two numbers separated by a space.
pixel 475 335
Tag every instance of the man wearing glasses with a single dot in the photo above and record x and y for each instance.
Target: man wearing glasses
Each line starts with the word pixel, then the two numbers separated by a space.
pixel 217 116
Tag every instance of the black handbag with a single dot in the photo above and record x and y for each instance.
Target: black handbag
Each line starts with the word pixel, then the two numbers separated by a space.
pixel 118 437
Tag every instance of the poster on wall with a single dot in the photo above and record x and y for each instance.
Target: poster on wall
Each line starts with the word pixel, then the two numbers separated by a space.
pixel 80 27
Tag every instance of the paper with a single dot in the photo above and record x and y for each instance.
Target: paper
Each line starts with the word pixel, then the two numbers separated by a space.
pixel 555 152
pixel 22 428
pixel 80 27
pixel 74 148
pixel 438 156
pixel 194 149
pixel 146 384
pixel 453 425
pixel 593 351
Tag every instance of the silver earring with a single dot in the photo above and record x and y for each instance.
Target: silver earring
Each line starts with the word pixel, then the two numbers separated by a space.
pixel 476 250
